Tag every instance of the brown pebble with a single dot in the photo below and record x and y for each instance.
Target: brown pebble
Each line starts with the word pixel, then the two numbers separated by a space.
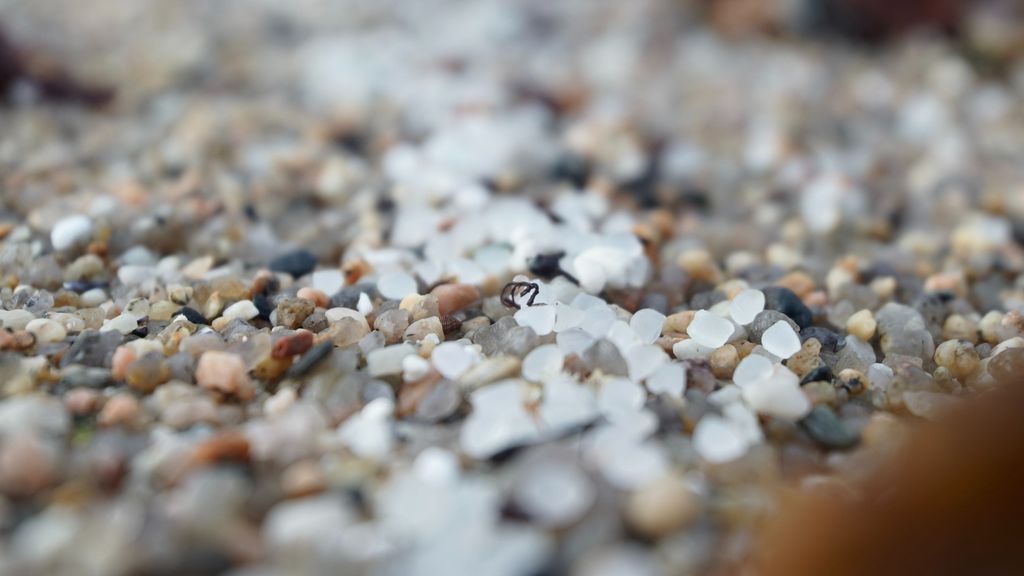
pixel 123 356
pixel 454 297
pixel 120 409
pixel 291 345
pixel 226 446
pixel 27 465
pixel 355 270
pixel 81 401
pixel 317 297
pixel 292 312
pixel 224 372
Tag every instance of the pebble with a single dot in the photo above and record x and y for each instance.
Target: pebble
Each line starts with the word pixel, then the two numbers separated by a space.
pixel 225 373
pixel 746 305
pixel 16 319
pixel 292 312
pixel 1007 366
pixel 392 324
pixel 825 428
pixel 959 357
pixel 387 361
pixel 242 310
pixel 319 298
pixel 297 263
pixel 120 409
pixel 70 232
pixel 452 359
pixel 543 362
pixel 311 358
pixel 723 361
pixel 862 325
pixel 46 330
pixel 292 345
pixel 718 441
pixel 420 329
pixel 709 329
pixel 452 298
pixel 781 340
pixel 396 285
pixel 785 301
pixel 661 508
pixel 540 319
pixel 647 324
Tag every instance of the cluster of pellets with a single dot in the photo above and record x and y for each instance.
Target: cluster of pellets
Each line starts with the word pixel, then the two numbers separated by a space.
pixel 491 288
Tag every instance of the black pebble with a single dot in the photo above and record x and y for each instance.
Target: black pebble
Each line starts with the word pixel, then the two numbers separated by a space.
pixel 80 286
pixel 785 301
pixel 829 340
pixel 573 169
pixel 546 266
pixel 311 358
pixel 193 315
pixel 819 374
pixel 297 263
pixel 263 305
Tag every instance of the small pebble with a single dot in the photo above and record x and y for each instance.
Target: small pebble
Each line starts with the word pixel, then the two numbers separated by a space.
pixel 224 372
pixel 70 232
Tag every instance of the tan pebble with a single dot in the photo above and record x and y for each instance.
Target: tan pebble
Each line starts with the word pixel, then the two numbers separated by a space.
pixel 224 372
pixel 46 330
pixel 820 392
pixel 119 409
pixel 744 348
pixel 801 283
pixel 123 356
pixel 884 287
pixel 661 508
pixel 279 402
pixel 196 269
pixel 345 332
pixel 1007 366
pixel 302 479
pixel 862 324
pixel 959 357
pixel 947 282
pixel 960 327
pixel 291 312
pixel 723 361
pixel 678 323
pixel 81 401
pixel 853 381
pixel 807 358
pixel 163 310
pixel 214 305
pixel 992 329
pixel 1015 321
pixel 837 278
pixel 318 297
pixel 454 297
pixel 220 323
pixel 700 265
pixel 419 329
